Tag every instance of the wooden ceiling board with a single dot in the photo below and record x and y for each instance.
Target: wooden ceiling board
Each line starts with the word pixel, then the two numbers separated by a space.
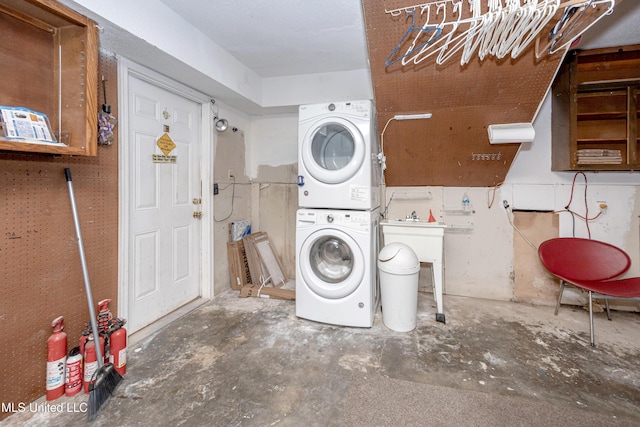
pixel 464 101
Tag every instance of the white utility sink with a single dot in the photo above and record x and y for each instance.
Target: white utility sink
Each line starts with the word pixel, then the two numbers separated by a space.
pixel 427 241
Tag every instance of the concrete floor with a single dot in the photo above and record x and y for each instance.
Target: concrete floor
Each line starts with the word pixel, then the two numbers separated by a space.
pixel 252 362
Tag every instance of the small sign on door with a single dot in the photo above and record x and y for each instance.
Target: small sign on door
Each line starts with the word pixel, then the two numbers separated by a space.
pixel 166 144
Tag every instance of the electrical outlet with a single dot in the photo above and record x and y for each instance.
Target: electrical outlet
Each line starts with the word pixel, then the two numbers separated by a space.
pixel 229 174
pixel 603 206
pixel 215 188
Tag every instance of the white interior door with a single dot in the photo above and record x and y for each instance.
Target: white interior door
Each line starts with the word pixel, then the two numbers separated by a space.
pixel 164 245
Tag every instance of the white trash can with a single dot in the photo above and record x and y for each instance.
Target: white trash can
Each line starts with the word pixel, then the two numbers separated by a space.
pixel 399 269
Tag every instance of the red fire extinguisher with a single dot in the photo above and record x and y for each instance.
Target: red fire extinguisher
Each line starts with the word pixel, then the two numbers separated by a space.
pixel 90 361
pixel 118 345
pixel 73 382
pixel 84 335
pixel 104 317
pixel 56 360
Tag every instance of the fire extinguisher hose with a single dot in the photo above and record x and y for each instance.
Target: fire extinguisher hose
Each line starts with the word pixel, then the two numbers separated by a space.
pixel 106 377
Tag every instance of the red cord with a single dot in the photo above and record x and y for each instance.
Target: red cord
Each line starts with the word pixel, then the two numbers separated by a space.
pixel 567 208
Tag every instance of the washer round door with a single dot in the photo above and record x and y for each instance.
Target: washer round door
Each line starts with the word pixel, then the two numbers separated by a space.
pixel 331 263
pixel 333 150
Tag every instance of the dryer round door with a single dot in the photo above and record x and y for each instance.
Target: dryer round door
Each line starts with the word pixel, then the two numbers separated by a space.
pixel 333 150
pixel 331 263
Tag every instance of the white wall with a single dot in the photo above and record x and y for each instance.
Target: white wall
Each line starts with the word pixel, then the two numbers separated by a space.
pixel 151 34
pixel 312 88
pixel 273 141
pixel 533 162
pixel 479 246
pixel 531 185
pixel 479 254
pixel 479 250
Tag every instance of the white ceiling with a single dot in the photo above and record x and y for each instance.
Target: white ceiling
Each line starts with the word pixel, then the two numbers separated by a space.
pixel 289 37
pixel 283 37
pixel 275 39
pixel 619 29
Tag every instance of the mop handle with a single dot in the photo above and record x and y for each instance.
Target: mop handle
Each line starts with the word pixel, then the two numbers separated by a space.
pixel 85 272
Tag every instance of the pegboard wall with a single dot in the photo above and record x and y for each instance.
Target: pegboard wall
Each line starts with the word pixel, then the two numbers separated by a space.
pixel 40 273
pixel 452 148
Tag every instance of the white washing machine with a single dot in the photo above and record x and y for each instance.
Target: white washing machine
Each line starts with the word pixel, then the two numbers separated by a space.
pixel 338 165
pixel 336 270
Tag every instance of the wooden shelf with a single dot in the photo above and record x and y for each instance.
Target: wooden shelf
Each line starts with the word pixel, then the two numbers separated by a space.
pixel 595 107
pixel 50 65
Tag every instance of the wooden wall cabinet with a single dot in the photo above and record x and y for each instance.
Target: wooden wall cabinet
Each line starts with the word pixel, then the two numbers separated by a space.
pixel 49 60
pixel 595 110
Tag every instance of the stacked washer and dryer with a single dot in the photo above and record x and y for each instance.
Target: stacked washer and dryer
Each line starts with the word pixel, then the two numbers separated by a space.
pixel 337 225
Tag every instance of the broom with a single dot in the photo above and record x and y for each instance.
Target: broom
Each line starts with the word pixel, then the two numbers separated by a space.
pixel 105 380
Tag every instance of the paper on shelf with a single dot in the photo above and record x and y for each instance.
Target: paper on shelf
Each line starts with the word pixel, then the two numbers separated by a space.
pixel 20 123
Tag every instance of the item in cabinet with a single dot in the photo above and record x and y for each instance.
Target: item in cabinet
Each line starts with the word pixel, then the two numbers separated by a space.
pixel 596 156
pixel 23 124
pixel 106 120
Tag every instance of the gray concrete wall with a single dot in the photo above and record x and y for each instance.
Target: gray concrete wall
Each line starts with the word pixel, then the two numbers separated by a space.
pixel 269 201
pixel 274 205
pixel 233 202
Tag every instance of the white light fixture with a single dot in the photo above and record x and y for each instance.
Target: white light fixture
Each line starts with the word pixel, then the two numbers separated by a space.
pixel 381 157
pixel 412 116
pixel 404 117
pixel 511 132
pixel 221 124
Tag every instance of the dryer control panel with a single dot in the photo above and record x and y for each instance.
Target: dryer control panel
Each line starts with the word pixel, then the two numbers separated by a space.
pixel 354 219
pixel 363 108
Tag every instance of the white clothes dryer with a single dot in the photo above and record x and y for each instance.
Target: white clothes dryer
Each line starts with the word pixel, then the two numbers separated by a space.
pixel 338 165
pixel 336 271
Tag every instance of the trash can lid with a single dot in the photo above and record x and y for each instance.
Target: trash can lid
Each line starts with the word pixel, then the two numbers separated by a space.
pixel 398 258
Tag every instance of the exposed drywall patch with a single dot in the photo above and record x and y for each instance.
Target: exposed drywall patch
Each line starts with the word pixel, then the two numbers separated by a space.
pixel 479 259
pixel 275 202
pixel 281 174
pixel 233 201
pixel 273 142
pixel 532 283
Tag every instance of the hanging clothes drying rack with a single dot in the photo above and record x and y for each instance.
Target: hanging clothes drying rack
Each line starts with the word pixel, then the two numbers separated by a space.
pixel 497 28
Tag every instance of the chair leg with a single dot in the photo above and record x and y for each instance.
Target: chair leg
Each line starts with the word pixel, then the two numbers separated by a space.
pixel 606 304
pixel 559 296
pixel 593 344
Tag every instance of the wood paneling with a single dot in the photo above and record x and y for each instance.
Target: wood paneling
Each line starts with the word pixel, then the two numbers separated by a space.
pixel 464 101
pixel 40 272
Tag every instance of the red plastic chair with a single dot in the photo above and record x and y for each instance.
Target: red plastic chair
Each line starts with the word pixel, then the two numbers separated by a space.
pixel 588 264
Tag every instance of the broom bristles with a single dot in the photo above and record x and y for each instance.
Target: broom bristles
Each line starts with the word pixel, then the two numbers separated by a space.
pixel 106 382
